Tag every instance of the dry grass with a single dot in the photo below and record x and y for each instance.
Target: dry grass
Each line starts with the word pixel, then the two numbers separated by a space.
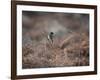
pixel 73 51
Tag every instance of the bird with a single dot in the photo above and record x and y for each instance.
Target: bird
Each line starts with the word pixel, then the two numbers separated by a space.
pixel 50 37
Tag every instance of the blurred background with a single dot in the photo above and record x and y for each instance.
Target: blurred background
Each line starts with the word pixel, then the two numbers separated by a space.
pixel 70 45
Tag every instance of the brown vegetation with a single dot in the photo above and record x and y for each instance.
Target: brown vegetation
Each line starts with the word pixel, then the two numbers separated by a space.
pixel 70 46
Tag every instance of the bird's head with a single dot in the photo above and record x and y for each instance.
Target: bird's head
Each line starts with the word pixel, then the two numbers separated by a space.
pixel 51 33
